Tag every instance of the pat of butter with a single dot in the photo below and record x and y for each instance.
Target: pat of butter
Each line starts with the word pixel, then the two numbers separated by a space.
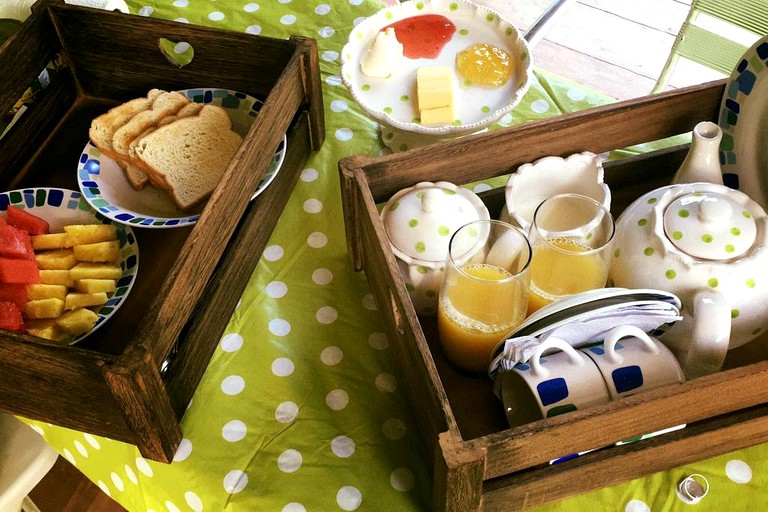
pixel 434 92
pixel 384 56
pixel 439 115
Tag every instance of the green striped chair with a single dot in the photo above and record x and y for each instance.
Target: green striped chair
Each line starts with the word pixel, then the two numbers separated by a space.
pixel 716 51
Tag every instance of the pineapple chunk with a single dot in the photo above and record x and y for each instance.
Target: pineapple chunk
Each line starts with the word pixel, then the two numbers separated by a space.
pixel 87 270
pixel 56 260
pixel 95 285
pixel 43 328
pixel 81 234
pixel 46 291
pixel 60 277
pixel 51 241
pixel 45 308
pixel 76 300
pixel 99 252
pixel 78 321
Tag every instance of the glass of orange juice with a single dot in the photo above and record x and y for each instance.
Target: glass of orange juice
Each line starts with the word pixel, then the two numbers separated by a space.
pixel 571 237
pixel 484 293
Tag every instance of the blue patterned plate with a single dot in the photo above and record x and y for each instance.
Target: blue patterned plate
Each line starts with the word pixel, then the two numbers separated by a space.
pixel 62 207
pixel 105 187
pixel 744 121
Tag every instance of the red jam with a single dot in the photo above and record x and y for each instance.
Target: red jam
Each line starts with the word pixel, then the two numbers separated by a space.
pixel 424 36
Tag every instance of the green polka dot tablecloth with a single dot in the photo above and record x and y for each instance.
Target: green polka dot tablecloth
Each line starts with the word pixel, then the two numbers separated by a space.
pixel 301 408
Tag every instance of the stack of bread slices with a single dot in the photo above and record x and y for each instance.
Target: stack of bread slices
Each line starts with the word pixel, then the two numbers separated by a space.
pixel 169 142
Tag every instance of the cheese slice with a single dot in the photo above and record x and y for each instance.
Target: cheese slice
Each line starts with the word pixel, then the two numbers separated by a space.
pixel 434 88
pixel 439 115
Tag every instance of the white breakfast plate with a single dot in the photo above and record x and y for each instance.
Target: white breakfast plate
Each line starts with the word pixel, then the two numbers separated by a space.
pixel 60 207
pixel 392 101
pixel 744 121
pixel 106 189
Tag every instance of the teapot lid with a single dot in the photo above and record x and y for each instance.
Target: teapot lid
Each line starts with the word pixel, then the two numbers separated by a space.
pixel 421 219
pixel 709 225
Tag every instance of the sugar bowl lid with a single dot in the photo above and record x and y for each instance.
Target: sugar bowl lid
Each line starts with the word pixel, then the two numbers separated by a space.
pixel 421 219
pixel 710 225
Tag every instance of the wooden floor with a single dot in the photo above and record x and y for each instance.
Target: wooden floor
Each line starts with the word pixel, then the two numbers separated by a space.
pixel 617 47
pixel 65 489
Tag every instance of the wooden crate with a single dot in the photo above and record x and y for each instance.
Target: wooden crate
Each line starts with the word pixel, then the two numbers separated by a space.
pixel 190 278
pixel 479 462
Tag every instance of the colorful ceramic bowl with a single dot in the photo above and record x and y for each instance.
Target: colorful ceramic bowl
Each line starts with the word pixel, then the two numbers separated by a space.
pixel 60 207
pixel 106 189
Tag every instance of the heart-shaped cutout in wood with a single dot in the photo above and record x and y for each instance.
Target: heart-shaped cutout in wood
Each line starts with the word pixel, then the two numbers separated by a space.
pixel 179 54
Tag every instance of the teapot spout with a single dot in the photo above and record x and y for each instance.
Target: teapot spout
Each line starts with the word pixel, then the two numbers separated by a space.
pixel 702 163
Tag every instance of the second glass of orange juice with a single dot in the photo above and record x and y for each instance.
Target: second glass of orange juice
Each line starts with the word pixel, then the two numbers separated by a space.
pixel 484 293
pixel 571 237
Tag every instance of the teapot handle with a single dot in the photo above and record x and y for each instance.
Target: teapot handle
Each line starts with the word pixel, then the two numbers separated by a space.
pixel 710 336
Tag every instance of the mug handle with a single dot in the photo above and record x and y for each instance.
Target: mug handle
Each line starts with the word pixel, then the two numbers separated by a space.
pixel 573 355
pixel 624 331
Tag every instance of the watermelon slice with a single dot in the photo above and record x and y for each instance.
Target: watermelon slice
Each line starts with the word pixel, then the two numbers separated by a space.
pixel 32 224
pixel 15 243
pixel 10 317
pixel 18 271
pixel 16 293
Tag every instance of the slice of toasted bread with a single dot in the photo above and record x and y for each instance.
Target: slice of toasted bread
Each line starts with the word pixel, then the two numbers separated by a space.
pixel 103 128
pixel 133 167
pixel 166 104
pixel 188 156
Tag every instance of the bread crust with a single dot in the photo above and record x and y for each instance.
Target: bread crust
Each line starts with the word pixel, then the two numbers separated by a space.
pixel 103 127
pixel 188 156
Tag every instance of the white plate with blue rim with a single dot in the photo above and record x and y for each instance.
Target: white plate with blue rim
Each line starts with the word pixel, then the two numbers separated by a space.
pixel 61 207
pixel 744 122
pixel 104 186
pixel 580 307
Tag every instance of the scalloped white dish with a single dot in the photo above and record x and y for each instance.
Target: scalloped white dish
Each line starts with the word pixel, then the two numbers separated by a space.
pixel 392 100
pixel 60 207
pixel 744 121
pixel 106 189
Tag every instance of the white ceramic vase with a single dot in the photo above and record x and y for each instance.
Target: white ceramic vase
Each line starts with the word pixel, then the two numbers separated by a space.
pixel 702 163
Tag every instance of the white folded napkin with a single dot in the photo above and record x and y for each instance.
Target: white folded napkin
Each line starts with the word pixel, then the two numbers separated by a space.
pixel 587 328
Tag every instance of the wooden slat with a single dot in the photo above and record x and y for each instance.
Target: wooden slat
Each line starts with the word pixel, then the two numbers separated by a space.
pixel 31 131
pixel 662 15
pixel 128 49
pixel 20 62
pixel 419 374
pixel 532 444
pixel 227 283
pixel 598 129
pixel 146 408
pixel 43 381
pixel 313 89
pixel 458 478
pixel 618 464
pixel 193 267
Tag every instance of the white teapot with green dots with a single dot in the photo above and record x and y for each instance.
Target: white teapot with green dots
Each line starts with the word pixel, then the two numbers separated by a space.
pixel 706 243
pixel 419 222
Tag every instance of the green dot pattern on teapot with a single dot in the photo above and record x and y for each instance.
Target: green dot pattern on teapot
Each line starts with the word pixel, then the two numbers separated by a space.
pixel 709 226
